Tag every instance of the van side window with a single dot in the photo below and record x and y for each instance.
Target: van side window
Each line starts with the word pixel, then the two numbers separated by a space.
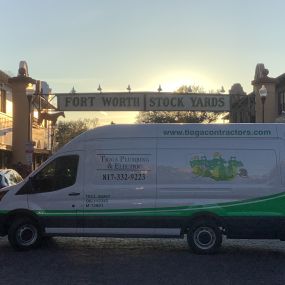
pixel 58 174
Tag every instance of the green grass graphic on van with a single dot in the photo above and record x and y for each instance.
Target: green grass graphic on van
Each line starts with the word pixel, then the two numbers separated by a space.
pixel 217 168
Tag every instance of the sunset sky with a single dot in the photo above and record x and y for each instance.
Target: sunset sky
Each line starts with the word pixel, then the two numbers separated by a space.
pixel 143 43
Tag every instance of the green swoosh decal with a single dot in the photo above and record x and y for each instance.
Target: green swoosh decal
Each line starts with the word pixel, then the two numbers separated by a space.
pixel 266 206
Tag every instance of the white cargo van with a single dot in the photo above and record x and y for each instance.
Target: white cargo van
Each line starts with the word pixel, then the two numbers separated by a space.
pixel 159 180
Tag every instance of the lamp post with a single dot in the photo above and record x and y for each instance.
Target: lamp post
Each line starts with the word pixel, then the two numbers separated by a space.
pixel 30 91
pixel 263 94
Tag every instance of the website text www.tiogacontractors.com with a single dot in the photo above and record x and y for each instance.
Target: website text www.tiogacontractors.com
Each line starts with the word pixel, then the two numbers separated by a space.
pixel 217 133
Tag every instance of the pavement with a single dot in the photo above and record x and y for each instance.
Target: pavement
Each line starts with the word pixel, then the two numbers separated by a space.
pixel 142 261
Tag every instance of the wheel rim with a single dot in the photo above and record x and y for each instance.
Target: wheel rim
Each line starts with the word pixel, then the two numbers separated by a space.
pixel 204 238
pixel 26 235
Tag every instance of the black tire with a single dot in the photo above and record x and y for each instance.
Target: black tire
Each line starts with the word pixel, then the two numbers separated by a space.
pixel 24 234
pixel 204 237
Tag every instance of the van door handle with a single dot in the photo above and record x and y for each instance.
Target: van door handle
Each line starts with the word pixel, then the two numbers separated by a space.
pixel 74 194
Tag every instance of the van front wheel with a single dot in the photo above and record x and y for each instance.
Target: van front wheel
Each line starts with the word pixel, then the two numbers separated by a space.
pixel 204 237
pixel 24 234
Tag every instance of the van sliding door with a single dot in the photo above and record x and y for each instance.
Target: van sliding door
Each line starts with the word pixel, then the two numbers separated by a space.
pixel 120 185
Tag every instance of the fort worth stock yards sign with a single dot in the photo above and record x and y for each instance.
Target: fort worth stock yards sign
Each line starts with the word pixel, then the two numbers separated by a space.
pixel 142 101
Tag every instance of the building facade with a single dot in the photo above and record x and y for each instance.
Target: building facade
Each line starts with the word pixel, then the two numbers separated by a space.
pixel 16 125
pixel 249 108
pixel 6 120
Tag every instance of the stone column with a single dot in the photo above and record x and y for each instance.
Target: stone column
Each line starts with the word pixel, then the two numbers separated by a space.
pixel 271 101
pixel 20 115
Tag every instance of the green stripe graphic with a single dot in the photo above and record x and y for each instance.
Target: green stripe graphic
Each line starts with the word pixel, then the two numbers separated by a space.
pixel 271 206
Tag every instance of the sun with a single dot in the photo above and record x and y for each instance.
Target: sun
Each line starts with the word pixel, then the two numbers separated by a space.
pixel 170 81
pixel 172 86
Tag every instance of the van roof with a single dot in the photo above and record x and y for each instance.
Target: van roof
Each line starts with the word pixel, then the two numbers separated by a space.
pixel 185 130
pixel 235 131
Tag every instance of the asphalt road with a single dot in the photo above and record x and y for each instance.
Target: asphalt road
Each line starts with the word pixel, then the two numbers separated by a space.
pixel 142 261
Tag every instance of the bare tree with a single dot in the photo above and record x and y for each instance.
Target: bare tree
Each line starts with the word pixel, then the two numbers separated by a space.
pixel 67 130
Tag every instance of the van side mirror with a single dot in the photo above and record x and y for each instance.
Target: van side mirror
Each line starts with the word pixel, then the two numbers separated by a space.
pixel 27 188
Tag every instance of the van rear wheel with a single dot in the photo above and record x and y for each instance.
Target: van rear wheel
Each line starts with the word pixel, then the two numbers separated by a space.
pixel 204 237
pixel 24 234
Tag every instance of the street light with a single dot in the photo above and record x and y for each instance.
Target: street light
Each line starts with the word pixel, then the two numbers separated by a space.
pixel 30 92
pixel 263 94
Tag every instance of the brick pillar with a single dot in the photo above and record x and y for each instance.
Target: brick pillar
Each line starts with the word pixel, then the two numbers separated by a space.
pixel 271 101
pixel 270 104
pixel 20 117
